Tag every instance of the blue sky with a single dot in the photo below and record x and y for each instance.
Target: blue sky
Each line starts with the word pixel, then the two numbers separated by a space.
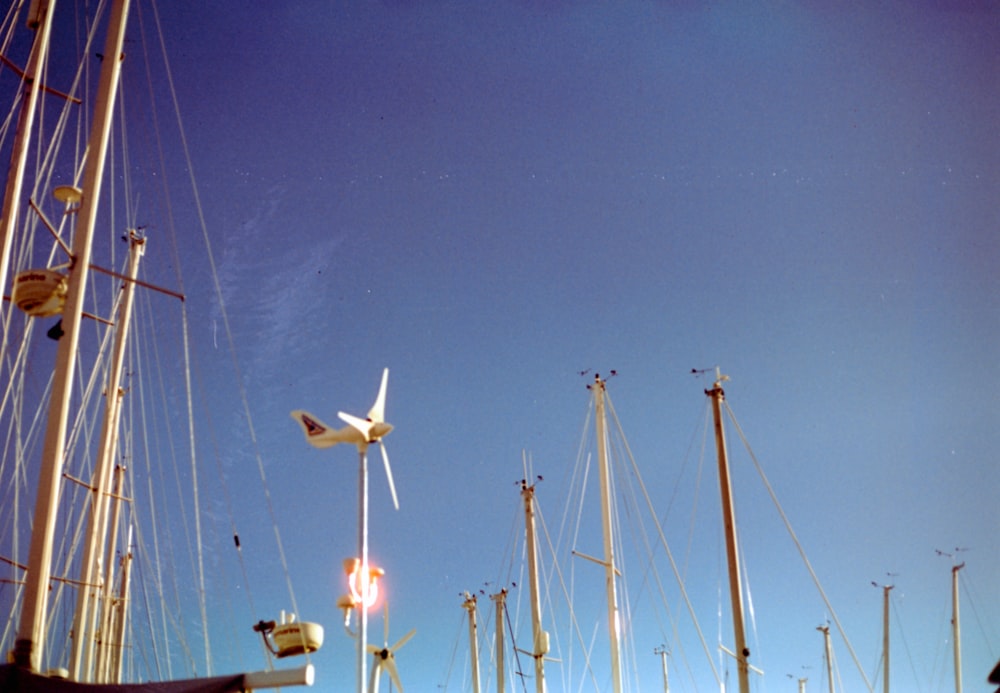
pixel 490 200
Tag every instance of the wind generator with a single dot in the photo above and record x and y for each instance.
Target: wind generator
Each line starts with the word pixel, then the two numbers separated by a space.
pixel 359 432
pixel 385 657
pixel 362 433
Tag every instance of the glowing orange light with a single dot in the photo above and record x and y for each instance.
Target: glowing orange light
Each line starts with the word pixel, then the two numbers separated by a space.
pixel 364 588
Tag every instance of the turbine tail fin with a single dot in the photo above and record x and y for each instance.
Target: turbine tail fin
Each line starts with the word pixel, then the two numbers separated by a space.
pixel 317 433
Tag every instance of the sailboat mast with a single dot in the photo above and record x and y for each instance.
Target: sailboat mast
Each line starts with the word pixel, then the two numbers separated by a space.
pixel 470 605
pixel 105 614
pixel 956 631
pixel 28 647
pixel 827 654
pixel 40 19
pixel 614 628
pixel 84 630
pixel 500 599
pixel 732 552
pixel 117 634
pixel 540 639
pixel 885 638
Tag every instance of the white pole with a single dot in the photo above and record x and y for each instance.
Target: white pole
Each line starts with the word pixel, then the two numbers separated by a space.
pixel 500 597
pixel 364 577
pixel 470 605
pixel 732 551
pixel 540 645
pixel 107 607
pixel 885 638
pixel 827 654
pixel 32 84
pixel 28 647
pixel 614 627
pixel 956 631
pixel 662 651
pixel 122 609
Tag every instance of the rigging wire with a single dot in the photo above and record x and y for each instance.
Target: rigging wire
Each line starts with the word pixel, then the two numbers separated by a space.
pixel 750 609
pixel 511 550
pixel 640 535
pixel 21 253
pixel 82 428
pixel 519 671
pixel 139 405
pixel 454 651
pixel 202 605
pixel 971 600
pixel 567 595
pixel 906 645
pixel 240 380
pixel 670 556
pixel 199 578
pixel 798 545
pixel 158 564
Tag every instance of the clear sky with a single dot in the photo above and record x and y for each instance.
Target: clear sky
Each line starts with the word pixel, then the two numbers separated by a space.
pixel 491 198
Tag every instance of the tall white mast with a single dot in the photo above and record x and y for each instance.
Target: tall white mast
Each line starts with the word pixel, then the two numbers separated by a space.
pixel 28 647
pixel 956 631
pixel 827 654
pixel 499 599
pixel 470 605
pixel 539 638
pixel 108 606
pixel 39 19
pixel 732 552
pixel 610 571
pixel 117 633
pixel 885 638
pixel 86 616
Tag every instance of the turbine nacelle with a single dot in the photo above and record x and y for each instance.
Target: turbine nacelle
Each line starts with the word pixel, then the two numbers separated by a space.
pixel 371 431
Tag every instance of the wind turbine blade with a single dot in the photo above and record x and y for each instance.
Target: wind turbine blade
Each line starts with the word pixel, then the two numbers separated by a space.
pixel 403 640
pixel 390 665
pixel 377 412
pixel 364 426
pixel 388 474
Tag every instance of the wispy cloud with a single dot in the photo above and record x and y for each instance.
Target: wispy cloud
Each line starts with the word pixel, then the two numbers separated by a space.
pixel 274 278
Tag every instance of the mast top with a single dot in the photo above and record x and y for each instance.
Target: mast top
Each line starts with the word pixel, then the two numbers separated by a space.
pixel 598 380
pixel 719 378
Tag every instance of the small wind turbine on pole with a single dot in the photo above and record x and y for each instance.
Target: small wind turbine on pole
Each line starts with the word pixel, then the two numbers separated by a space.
pixel 385 656
pixel 361 433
